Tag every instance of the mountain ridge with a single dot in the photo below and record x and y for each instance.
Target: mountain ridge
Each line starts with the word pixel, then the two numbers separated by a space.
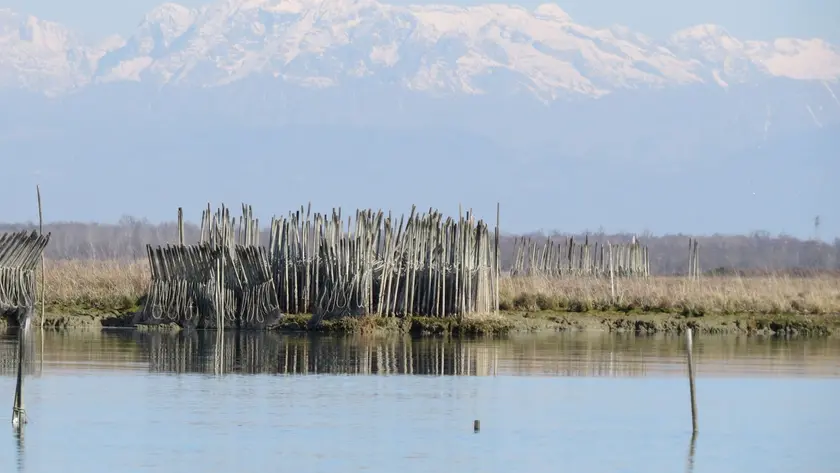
pixel 361 104
pixel 438 49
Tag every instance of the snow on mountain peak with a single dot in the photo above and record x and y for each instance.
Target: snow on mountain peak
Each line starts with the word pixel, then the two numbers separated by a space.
pixel 491 48
pixel 700 33
pixel 553 11
pixel 170 19
pixel 803 59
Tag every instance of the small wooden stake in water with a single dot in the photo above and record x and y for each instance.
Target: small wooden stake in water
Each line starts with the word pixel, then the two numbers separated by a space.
pixel 476 426
pixel 688 344
pixel 18 411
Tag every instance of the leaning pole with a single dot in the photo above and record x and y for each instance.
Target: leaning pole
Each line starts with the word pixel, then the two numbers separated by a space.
pixel 20 253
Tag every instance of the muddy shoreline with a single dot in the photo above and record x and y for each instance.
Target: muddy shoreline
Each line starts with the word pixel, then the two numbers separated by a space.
pixel 508 322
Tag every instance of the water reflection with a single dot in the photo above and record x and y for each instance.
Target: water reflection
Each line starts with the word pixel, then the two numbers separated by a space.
pixel 692 445
pixel 19 433
pixel 9 354
pixel 589 354
pixel 114 401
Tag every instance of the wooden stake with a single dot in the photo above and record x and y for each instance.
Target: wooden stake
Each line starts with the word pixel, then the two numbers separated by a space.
pixel 43 264
pixel 496 271
pixel 18 411
pixel 612 275
pixel 688 345
pixel 181 226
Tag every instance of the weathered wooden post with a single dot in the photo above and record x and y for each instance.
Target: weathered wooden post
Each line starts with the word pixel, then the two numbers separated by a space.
pixel 612 274
pixel 688 345
pixel 497 273
pixel 18 411
pixel 43 263
pixel 181 226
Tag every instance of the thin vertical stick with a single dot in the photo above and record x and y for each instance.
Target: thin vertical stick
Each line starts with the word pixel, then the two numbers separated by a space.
pixel 181 226
pixel 43 275
pixel 43 264
pixel 690 259
pixel 496 271
pixel 18 411
pixel 612 275
pixel 688 346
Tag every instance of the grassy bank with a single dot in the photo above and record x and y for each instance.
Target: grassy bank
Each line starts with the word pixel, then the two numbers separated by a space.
pixel 108 292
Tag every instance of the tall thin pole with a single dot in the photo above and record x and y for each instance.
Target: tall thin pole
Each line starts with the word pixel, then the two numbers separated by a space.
pixel 181 226
pixel 43 264
pixel 18 411
pixel 612 273
pixel 497 269
pixel 688 345
pixel 43 276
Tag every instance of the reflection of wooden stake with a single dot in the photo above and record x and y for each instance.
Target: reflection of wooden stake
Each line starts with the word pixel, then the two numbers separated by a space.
pixel 18 411
pixel 689 467
pixel 688 343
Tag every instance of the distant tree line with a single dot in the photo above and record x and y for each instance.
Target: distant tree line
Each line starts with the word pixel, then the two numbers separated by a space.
pixel 753 253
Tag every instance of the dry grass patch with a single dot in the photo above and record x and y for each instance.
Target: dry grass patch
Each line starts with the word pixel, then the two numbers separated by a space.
pixel 714 295
pixel 114 285
pixel 95 284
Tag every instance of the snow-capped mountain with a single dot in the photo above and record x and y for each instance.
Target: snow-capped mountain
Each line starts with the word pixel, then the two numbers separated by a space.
pixel 487 49
pixel 45 56
pixel 359 103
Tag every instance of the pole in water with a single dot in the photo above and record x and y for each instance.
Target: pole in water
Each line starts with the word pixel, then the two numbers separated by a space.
pixel 688 346
pixel 476 426
pixel 18 411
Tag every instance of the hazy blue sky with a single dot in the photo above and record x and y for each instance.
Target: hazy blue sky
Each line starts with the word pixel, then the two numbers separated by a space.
pixel 753 19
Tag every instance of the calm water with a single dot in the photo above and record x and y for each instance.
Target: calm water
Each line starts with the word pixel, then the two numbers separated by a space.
pixel 108 402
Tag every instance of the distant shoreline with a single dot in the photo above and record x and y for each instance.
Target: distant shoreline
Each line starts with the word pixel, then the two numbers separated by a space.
pixel 505 323
pixel 91 294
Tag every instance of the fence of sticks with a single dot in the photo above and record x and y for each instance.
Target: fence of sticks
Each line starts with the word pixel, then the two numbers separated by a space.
pixel 375 265
pixel 20 252
pixel 421 265
pixel 216 283
pixel 570 258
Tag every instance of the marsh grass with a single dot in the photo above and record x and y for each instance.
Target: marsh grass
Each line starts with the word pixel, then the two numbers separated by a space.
pixel 708 295
pixel 96 285
pixel 120 285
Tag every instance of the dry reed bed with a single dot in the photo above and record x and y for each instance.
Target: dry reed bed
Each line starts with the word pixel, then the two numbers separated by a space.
pixel 95 284
pixel 708 295
pixel 115 285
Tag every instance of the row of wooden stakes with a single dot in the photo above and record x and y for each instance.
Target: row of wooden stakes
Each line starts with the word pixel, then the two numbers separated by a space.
pixel 425 264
